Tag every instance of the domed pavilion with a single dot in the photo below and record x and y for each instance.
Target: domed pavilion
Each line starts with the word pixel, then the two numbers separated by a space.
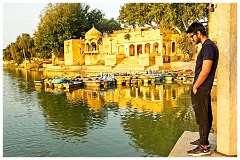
pixel 93 40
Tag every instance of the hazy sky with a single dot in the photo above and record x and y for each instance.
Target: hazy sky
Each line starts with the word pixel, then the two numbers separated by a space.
pixel 21 18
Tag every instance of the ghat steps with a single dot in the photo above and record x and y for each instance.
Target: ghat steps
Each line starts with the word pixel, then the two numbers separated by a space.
pixel 130 64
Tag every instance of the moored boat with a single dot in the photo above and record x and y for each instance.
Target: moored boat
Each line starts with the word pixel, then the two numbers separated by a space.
pixel 73 84
pixel 38 82
pixel 96 83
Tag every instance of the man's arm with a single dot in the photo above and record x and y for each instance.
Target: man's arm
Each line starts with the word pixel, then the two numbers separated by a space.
pixel 206 68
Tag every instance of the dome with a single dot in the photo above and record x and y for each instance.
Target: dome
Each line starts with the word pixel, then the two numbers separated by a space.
pixel 93 33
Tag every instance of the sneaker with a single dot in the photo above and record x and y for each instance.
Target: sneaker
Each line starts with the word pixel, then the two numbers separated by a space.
pixel 199 151
pixel 196 143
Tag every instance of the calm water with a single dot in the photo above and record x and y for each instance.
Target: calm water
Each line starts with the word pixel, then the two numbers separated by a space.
pixel 124 121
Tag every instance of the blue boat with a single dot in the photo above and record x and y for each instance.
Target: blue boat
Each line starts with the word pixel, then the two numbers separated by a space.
pixel 59 81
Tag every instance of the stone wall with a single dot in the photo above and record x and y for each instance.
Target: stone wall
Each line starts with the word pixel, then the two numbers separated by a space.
pixel 183 65
pixel 110 60
pixel 72 52
pixel 227 78
pixel 91 59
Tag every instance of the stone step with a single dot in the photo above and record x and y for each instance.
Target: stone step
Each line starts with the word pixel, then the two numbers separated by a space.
pixel 183 144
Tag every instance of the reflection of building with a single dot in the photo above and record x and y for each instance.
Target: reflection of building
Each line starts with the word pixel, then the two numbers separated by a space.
pixel 93 98
pixel 142 98
pixel 153 47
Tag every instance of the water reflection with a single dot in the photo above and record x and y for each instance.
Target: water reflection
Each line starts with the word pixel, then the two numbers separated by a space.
pixel 153 117
pixel 66 116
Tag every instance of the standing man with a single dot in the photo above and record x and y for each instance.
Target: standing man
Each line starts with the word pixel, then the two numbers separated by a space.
pixel 205 69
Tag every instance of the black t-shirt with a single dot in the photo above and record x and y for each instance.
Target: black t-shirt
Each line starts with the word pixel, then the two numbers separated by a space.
pixel 209 51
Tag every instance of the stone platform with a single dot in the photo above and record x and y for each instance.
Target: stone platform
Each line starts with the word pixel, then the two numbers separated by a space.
pixel 182 146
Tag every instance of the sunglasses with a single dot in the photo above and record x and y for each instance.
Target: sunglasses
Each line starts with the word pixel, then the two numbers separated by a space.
pixel 192 35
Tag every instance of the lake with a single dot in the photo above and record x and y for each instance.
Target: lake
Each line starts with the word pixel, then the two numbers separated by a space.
pixel 120 121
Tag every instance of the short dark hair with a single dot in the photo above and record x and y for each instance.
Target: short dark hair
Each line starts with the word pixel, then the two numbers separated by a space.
pixel 196 26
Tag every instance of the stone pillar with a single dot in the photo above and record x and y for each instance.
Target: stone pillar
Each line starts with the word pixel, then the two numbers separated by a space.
pixel 227 78
pixel 167 48
pixel 135 50
pixel 117 49
pixel 126 50
pixel 143 48
pixel 151 48
pixel 160 48
pixel 136 92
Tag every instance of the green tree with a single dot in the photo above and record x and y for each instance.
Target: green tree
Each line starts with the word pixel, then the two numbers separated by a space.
pixel 108 25
pixel 171 16
pixel 7 54
pixel 96 18
pixel 59 22
pixel 15 53
pixel 162 15
pixel 26 45
pixel 63 21
pixel 186 46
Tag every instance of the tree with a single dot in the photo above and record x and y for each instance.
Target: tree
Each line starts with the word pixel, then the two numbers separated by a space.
pixel 96 18
pixel 59 22
pixel 7 54
pixel 171 16
pixel 186 46
pixel 162 15
pixel 26 45
pixel 63 21
pixel 141 14
pixel 15 53
pixel 108 25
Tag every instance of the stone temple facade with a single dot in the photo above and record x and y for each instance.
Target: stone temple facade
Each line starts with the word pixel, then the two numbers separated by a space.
pixel 150 47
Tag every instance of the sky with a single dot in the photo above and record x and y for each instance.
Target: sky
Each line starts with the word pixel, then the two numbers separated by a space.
pixel 23 17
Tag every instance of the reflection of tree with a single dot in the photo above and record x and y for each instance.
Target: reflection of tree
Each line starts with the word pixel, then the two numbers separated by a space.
pixel 70 117
pixel 23 78
pixel 155 133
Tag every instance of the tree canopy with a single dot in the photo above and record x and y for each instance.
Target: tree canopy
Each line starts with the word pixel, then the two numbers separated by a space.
pixel 59 22
pixel 25 44
pixel 22 49
pixel 63 21
pixel 162 15
pixel 167 16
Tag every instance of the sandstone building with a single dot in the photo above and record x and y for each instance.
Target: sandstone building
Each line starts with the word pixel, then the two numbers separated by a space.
pixel 147 47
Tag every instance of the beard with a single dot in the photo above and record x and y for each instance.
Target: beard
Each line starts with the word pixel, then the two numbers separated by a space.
pixel 197 40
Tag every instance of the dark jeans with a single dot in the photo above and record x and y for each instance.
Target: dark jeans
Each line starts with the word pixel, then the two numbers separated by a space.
pixel 201 102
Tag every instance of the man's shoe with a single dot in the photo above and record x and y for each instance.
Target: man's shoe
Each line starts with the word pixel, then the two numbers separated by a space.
pixel 195 143
pixel 199 151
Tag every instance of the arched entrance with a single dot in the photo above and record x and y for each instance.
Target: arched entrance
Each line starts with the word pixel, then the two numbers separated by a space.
pixel 94 46
pixel 131 50
pixel 139 49
pixel 87 47
pixel 155 48
pixel 121 50
pixel 147 48
pixel 173 47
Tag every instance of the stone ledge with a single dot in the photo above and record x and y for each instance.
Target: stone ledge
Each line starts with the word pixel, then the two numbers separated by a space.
pixel 182 146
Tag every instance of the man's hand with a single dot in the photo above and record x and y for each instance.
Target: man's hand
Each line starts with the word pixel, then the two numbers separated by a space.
pixel 194 90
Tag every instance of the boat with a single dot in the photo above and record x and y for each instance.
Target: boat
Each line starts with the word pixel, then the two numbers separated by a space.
pixel 108 78
pixel 96 83
pixel 73 84
pixel 58 82
pixel 169 77
pixel 39 82
pixel 159 77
